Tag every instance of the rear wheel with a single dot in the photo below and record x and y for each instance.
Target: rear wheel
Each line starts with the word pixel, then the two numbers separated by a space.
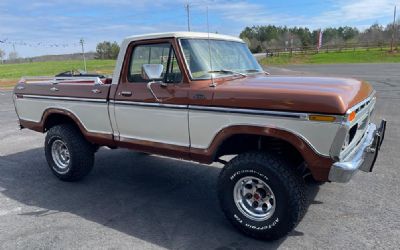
pixel 261 195
pixel 69 156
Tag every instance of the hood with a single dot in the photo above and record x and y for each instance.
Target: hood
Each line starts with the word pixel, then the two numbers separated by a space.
pixel 302 94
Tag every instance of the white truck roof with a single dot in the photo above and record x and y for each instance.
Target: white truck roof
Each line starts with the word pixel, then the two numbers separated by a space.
pixel 182 34
pixel 179 34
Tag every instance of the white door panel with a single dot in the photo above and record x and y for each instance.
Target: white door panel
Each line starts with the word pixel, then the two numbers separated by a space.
pixel 159 124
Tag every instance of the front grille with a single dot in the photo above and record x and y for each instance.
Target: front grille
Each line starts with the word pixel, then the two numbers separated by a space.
pixel 362 106
pixel 358 128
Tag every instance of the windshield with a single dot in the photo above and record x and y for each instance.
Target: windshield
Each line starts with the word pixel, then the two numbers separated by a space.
pixel 227 58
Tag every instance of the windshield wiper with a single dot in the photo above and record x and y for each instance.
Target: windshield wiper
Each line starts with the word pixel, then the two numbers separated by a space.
pixel 256 70
pixel 252 70
pixel 227 71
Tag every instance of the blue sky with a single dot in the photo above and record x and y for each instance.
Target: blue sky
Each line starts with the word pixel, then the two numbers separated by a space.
pixel 39 27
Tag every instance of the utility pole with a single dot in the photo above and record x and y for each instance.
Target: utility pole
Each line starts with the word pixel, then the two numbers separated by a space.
pixel 187 7
pixel 83 53
pixel 394 30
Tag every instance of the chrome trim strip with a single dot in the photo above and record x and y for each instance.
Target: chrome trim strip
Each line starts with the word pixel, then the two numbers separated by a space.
pixel 369 98
pixel 61 79
pixel 184 59
pixel 302 116
pixel 60 98
pixel 150 104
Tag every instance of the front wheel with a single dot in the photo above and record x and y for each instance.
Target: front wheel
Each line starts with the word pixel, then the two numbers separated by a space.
pixel 261 195
pixel 69 156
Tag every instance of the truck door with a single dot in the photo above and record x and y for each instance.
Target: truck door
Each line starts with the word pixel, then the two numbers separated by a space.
pixel 144 122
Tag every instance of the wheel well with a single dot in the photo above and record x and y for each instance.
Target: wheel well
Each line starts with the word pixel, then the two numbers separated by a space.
pixel 242 143
pixel 57 119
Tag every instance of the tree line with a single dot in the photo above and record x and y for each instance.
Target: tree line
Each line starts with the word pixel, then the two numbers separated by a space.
pixel 261 38
pixel 104 50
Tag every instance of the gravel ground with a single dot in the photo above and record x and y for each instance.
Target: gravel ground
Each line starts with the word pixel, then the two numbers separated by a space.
pixel 136 201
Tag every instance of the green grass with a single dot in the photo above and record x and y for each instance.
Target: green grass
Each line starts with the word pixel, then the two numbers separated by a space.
pixel 16 71
pixel 357 56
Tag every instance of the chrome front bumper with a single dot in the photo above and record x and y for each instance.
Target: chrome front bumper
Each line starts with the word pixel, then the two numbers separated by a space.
pixel 363 158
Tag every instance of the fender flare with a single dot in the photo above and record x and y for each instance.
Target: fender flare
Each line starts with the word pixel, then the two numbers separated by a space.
pixel 319 165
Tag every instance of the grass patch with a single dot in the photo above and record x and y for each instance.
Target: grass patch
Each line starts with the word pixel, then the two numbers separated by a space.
pixel 357 56
pixel 16 71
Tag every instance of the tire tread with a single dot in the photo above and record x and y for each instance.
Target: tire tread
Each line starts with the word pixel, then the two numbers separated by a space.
pixel 82 152
pixel 292 181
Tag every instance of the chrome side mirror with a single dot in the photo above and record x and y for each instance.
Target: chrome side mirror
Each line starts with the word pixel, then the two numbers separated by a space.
pixel 152 71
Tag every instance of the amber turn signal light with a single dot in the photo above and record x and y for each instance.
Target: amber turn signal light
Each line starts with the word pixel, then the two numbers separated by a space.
pixel 351 116
pixel 322 118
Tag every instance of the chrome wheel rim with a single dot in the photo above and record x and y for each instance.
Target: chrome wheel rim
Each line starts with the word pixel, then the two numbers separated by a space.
pixel 61 156
pixel 254 198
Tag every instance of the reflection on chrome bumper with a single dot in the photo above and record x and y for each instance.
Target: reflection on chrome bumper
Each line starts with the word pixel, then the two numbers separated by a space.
pixel 363 159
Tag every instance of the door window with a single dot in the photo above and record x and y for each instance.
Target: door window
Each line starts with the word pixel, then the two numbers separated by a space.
pixel 162 53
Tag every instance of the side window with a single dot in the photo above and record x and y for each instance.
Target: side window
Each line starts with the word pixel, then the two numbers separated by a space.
pixel 162 53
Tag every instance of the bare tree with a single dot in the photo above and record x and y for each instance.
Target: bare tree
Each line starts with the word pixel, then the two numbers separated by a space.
pixel 375 34
pixel 13 55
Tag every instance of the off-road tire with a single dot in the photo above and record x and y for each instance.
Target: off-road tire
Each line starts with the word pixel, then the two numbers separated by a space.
pixel 81 152
pixel 287 186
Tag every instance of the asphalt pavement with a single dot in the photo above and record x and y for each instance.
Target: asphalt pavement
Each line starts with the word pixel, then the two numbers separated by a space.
pixel 138 201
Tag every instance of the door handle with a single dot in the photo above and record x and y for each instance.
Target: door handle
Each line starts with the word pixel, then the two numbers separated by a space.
pixel 125 93
pixel 54 89
pixel 96 91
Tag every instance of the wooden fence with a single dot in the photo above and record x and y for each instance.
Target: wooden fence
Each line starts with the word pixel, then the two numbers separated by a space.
pixel 327 49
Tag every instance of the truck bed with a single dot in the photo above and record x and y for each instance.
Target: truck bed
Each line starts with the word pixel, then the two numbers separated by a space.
pixel 86 99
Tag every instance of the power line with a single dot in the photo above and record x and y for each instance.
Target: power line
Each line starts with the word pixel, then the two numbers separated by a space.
pixel 187 7
pixel 83 53
pixel 42 44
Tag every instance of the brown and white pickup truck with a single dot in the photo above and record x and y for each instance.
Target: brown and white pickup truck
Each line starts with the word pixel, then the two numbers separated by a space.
pixel 199 97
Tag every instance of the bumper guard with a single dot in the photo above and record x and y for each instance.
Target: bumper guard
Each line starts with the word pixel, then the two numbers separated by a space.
pixel 363 159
